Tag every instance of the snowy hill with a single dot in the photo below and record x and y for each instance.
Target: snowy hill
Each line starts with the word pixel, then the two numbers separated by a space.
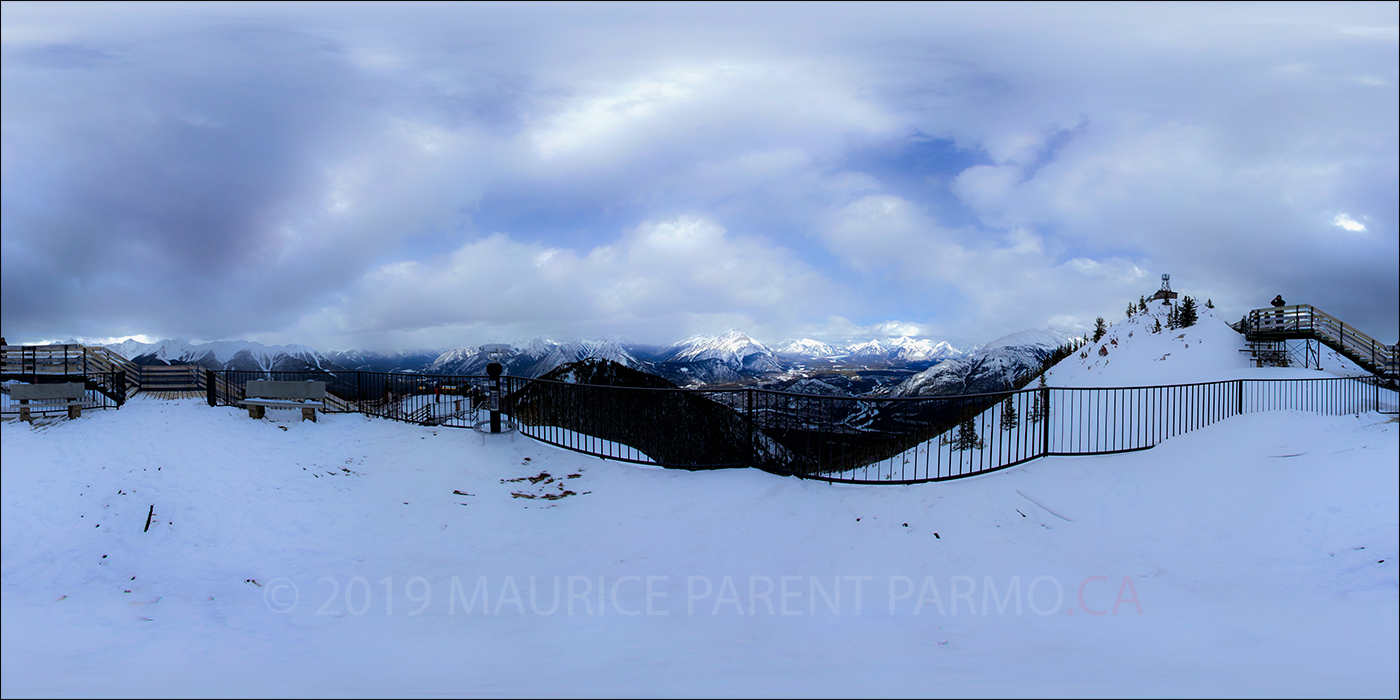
pixel 225 354
pixel 1209 351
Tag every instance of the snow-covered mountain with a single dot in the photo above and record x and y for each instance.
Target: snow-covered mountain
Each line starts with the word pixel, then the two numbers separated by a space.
pixel 808 348
pixel 732 349
pixel 225 354
pixel 872 349
pixel 407 361
pixel 908 349
pixel 991 368
pixel 533 359
pixel 902 349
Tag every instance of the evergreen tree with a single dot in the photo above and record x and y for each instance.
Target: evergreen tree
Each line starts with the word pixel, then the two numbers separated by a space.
pixel 1142 305
pixel 967 437
pixel 1099 329
pixel 1009 419
pixel 1037 407
pixel 1209 305
pixel 1173 320
pixel 1130 309
pixel 1186 315
pixel 1157 325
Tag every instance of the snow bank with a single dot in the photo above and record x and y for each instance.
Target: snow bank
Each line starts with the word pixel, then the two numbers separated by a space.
pixel 363 556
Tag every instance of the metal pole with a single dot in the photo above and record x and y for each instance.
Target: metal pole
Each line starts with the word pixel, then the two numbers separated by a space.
pixel 493 371
pixel 753 429
pixel 1045 421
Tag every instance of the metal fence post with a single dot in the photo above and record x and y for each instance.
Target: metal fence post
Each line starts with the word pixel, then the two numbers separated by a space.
pixel 753 429
pixel 1045 421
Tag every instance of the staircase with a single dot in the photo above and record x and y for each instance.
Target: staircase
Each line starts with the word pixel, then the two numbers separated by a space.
pixel 1266 329
pixel 100 359
pixel 113 375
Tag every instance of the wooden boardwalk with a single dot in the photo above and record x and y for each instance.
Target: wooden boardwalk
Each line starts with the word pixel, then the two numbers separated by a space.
pixel 172 395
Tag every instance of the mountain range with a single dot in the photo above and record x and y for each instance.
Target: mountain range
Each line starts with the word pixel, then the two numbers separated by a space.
pixel 225 354
pixel 896 366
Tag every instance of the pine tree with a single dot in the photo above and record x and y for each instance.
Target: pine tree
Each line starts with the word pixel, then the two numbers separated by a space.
pixel 1173 320
pixel 1186 315
pixel 1157 325
pixel 967 438
pixel 1142 305
pixel 1130 309
pixel 1209 305
pixel 1009 419
pixel 1037 408
pixel 1099 329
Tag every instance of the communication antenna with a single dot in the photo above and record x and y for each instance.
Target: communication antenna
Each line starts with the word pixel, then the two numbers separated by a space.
pixel 1165 293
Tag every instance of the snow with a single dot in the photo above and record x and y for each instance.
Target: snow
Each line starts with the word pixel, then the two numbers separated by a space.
pixel 177 351
pixel 806 347
pixel 1206 352
pixel 1049 338
pixel 291 558
pixel 902 348
pixel 730 347
pixel 535 358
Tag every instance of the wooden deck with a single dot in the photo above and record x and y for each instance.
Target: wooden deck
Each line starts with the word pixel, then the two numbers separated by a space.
pixel 1305 322
pixel 172 395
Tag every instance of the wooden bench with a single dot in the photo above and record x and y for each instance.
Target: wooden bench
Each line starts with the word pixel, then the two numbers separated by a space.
pixel 48 396
pixel 263 394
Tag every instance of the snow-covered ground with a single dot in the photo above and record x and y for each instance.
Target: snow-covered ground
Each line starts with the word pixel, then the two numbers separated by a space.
pixel 363 556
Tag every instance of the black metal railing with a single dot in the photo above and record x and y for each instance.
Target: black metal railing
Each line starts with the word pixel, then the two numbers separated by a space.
pixel 849 439
pixel 101 390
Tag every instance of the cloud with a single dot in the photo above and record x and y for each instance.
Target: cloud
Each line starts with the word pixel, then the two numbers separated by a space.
pixel 658 282
pixel 1346 222
pixel 370 175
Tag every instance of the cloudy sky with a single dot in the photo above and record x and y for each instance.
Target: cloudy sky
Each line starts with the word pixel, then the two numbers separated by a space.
pixel 381 176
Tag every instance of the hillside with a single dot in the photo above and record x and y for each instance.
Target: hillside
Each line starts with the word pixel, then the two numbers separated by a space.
pixel 1130 354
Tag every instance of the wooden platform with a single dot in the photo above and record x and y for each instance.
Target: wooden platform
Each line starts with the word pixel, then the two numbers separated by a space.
pixel 170 395
pixel 1305 322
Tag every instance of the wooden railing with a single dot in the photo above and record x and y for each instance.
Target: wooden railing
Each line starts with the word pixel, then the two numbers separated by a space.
pixel 172 378
pixel 1305 321
pixel 100 368
pixel 43 359
pixel 105 360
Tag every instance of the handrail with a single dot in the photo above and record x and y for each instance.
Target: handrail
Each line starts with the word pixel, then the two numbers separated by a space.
pixel 1306 321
